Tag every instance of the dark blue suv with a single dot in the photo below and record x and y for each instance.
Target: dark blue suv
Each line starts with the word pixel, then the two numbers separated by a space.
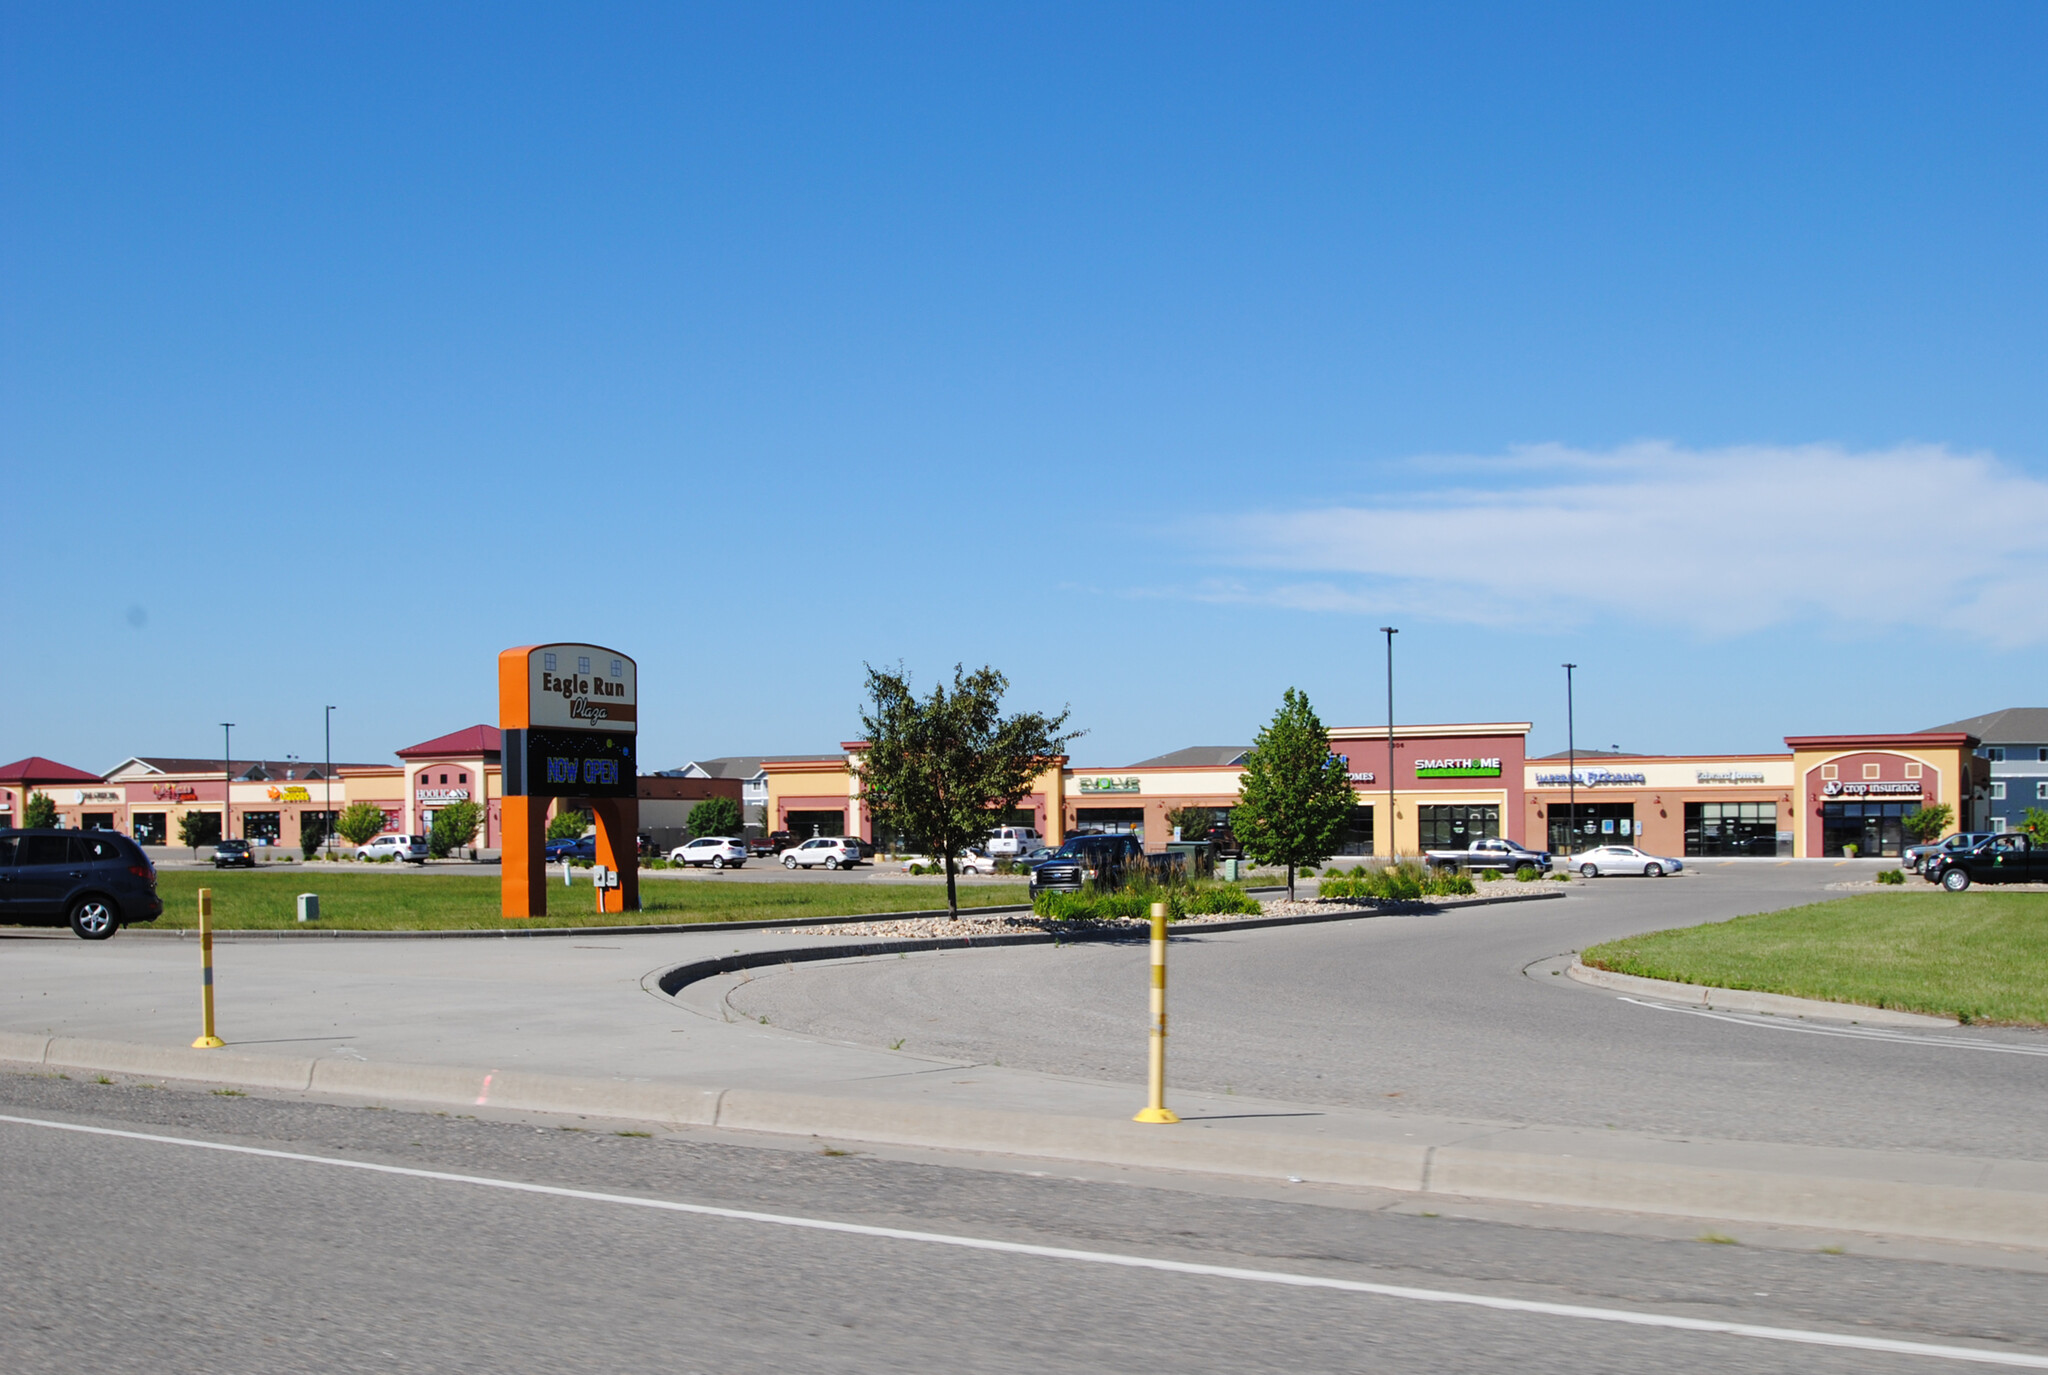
pixel 95 880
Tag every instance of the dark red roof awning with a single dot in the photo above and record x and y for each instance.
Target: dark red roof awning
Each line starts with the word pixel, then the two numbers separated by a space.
pixel 475 740
pixel 25 773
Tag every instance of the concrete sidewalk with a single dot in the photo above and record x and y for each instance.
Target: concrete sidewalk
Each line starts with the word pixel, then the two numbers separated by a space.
pixel 582 1026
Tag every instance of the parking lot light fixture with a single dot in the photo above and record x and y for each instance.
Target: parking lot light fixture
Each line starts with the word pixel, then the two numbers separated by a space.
pixel 1571 767
pixel 1390 632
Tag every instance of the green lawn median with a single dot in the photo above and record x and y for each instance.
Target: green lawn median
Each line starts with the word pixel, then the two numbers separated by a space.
pixel 1977 956
pixel 409 902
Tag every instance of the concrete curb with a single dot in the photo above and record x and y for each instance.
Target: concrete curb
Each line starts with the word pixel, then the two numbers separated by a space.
pixel 1743 1000
pixel 2003 1202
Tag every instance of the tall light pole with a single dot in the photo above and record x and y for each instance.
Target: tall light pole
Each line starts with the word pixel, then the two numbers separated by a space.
pixel 1571 765
pixel 1390 632
pixel 227 780
pixel 327 785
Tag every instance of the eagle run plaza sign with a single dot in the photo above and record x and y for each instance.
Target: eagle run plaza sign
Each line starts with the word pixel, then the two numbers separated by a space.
pixel 570 714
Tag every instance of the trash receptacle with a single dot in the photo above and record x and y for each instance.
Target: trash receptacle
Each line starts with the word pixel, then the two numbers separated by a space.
pixel 1230 872
pixel 309 907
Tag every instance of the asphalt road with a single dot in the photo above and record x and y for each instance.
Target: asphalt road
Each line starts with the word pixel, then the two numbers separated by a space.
pixel 161 1255
pixel 1454 1014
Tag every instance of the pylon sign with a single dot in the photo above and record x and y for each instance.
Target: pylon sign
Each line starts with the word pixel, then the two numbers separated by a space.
pixel 570 717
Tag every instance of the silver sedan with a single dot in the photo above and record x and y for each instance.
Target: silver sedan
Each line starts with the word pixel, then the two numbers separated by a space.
pixel 1625 859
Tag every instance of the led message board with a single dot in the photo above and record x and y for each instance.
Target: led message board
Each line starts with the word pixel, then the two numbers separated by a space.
pixel 569 763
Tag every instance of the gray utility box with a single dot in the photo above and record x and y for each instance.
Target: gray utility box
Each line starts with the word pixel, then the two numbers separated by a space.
pixel 309 907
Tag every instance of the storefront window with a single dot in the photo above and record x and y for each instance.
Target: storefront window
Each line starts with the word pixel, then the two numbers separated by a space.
pixel 1731 828
pixel 1598 823
pixel 1357 833
pixel 149 828
pixel 1874 828
pixel 260 825
pixel 1113 821
pixel 1456 827
pixel 805 825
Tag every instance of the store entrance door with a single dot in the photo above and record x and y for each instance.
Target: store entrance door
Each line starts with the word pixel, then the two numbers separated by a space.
pixel 1598 823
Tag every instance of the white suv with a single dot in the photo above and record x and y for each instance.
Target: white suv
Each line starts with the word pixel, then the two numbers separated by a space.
pixel 716 851
pixel 834 852
pixel 1009 842
pixel 410 849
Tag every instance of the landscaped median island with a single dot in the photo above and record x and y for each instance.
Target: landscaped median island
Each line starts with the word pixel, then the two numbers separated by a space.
pixel 354 901
pixel 1976 957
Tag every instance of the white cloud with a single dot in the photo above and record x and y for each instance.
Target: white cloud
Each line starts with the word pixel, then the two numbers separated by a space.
pixel 1721 541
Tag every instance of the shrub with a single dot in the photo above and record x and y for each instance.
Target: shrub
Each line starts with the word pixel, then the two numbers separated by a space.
pixel 1451 883
pixel 1526 875
pixel 1891 876
pixel 568 824
pixel 311 833
pixel 455 825
pixel 715 816
pixel 360 822
pixel 40 813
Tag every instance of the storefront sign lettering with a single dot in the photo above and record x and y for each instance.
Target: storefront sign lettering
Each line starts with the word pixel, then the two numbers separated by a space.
pixel 1457 768
pixel 1837 788
pixel 1362 776
pixel 1126 784
pixel 294 793
pixel 441 794
pixel 1591 778
pixel 174 792
pixel 91 795
pixel 1729 776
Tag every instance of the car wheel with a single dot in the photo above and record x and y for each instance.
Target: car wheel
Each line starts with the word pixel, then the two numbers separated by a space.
pixel 831 861
pixel 789 861
pixel 1956 880
pixel 93 919
pixel 718 861
pixel 1525 871
pixel 1653 871
pixel 1589 871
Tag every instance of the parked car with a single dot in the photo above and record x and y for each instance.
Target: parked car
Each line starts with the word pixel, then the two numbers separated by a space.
pixel 571 847
pixel 1916 856
pixel 1493 852
pixel 974 860
pixel 409 849
pixel 1225 841
pixel 2009 858
pixel 1624 859
pixel 1010 842
pixel 96 881
pixel 834 852
pixel 1037 857
pixel 717 852
pixel 234 854
pixel 1098 859
pixel 770 845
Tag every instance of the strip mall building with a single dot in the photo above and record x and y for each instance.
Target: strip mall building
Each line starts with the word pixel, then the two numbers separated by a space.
pixel 1452 784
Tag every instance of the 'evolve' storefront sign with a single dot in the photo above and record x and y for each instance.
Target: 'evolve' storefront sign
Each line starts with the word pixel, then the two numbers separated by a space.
pixel 1457 768
pixel 1108 785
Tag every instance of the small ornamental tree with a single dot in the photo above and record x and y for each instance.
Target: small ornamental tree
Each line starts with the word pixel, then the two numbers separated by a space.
pixel 455 825
pixel 715 816
pixel 1192 822
pixel 1930 823
pixel 2035 824
pixel 359 822
pixel 948 767
pixel 196 829
pixel 40 812
pixel 1294 797
pixel 568 824
pixel 312 830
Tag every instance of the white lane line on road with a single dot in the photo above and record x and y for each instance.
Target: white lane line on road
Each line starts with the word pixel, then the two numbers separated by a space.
pixel 1668 1321
pixel 1854 1033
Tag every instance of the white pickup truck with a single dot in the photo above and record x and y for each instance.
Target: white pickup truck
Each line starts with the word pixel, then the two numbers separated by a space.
pixel 1493 852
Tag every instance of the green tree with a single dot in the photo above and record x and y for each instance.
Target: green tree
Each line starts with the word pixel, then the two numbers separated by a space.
pixel 716 816
pixel 1294 797
pixel 312 831
pixel 938 767
pixel 198 828
pixel 40 811
pixel 1930 823
pixel 2035 824
pixel 568 824
pixel 360 822
pixel 1194 822
pixel 455 825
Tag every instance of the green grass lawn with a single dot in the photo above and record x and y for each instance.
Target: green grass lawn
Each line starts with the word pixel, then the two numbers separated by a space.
pixel 1977 956
pixel 431 902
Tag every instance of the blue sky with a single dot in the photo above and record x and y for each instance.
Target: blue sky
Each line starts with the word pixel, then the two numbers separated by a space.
pixel 1153 355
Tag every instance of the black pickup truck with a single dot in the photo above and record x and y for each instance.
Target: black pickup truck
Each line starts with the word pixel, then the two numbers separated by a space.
pixel 2010 858
pixel 1491 852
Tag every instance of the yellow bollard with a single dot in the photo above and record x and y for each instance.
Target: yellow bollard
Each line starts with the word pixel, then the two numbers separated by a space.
pixel 1156 1109
pixel 207 1041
